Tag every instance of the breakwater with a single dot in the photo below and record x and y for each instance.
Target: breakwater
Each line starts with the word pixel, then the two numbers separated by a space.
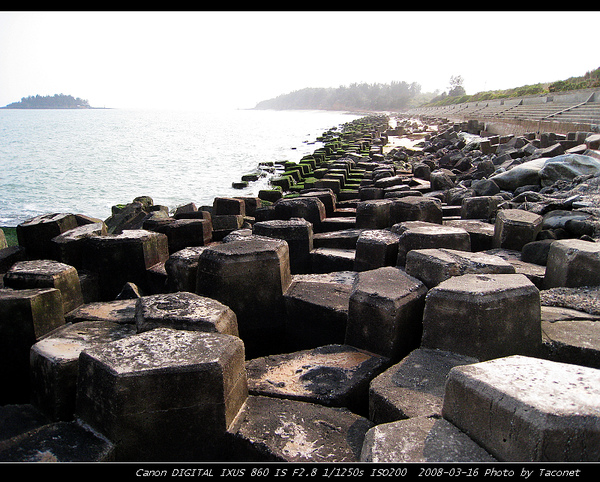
pixel 411 292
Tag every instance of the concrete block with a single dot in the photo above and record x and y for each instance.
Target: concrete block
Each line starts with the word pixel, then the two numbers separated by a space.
pixel 35 234
pixel 58 442
pixel 17 419
pixel 317 309
pixel 480 232
pixel 297 233
pixel 385 312
pixel 54 363
pixel 175 386
pixel 413 387
pixel 126 257
pixel 480 207
pixel 515 228
pixel 376 248
pixel 331 375
pixel 228 206
pixel 47 274
pixel 344 239
pixel 484 316
pixel 184 311
pixel 423 235
pixel 276 430
pixel 527 409
pixel 572 263
pixel 327 260
pixel 184 233
pixel 421 440
pixel 249 276
pixel 326 196
pixel 182 269
pixel 25 316
pixel 534 272
pixel 311 209
pixel 118 311
pixel 338 223
pixel 416 208
pixel 69 247
pixel 373 214
pixel 432 266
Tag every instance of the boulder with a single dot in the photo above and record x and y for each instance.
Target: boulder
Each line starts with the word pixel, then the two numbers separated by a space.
pixel 572 263
pixel 515 228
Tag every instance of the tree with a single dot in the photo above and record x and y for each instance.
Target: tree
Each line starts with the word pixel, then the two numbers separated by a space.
pixel 456 88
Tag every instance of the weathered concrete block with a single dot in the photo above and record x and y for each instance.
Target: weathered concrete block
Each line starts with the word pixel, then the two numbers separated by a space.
pixel 10 256
pixel 515 228
pixel 184 387
pixel 17 419
pixel 250 276
pixel 432 266
pixel 423 235
pixel 35 234
pixel 277 430
pixel 420 440
pixel 311 209
pixel 376 248
pixel 184 233
pixel 58 442
pixel 535 273
pixel 226 222
pixel 297 233
pixel 317 309
pixel 118 311
pixel 54 364
pixel 373 214
pixel 126 257
pixel 228 206
pixel 330 375
pixel 527 409
pixel 344 239
pixel 182 269
pixel 413 387
pixel 328 260
pixel 47 274
pixel 385 312
pixel 483 316
pixel 416 208
pixel 480 232
pixel 572 263
pixel 69 247
pixel 326 196
pixel 184 311
pixel 25 316
pixel 480 207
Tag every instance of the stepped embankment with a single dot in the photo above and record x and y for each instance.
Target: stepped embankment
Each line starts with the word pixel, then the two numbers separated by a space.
pixel 417 290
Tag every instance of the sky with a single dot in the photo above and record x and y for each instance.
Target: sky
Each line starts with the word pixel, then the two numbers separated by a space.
pixel 216 59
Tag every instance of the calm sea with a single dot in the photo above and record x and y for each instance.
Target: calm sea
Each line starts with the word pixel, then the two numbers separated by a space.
pixel 86 161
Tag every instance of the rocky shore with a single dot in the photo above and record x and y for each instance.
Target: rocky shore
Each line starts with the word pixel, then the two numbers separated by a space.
pixel 416 290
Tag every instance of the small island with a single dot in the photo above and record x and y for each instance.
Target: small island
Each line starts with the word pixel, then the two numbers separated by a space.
pixel 56 101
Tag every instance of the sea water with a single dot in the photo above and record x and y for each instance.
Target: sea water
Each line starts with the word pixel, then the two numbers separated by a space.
pixel 86 161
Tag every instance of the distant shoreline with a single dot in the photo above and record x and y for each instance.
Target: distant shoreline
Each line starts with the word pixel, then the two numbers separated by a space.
pixel 53 108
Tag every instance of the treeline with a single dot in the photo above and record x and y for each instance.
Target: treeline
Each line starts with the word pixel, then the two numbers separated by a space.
pixel 363 96
pixel 56 101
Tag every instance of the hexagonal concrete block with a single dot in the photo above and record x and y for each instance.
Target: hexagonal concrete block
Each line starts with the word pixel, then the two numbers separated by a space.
pixel 47 274
pixel 182 269
pixel 161 394
pixel 270 429
pixel 69 247
pixel 385 312
pixel 376 248
pixel 250 276
pixel 416 208
pixel 54 363
pixel 373 214
pixel 420 440
pixel 184 311
pixel 330 375
pixel 515 228
pixel 484 316
pixel 423 235
pixel 311 209
pixel 527 409
pixel 26 316
pixel 432 266
pixel 480 207
pixel 572 263
pixel 414 387
pixel 35 234
pixel 480 232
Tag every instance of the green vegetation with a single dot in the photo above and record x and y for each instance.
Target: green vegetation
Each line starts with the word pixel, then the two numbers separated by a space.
pixel 399 96
pixel 56 101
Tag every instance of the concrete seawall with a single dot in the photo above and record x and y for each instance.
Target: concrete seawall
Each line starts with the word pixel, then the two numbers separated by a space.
pixel 412 292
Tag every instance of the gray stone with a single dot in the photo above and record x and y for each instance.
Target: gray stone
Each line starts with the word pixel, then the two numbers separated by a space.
pixel 184 311
pixel 385 312
pixel 515 228
pixel 483 316
pixel 521 175
pixel 527 409
pixel 184 387
pixel 413 387
pixel 432 266
pixel 420 440
pixel 572 263
pixel 276 430
pixel 54 363
pixel 568 167
pixel 331 375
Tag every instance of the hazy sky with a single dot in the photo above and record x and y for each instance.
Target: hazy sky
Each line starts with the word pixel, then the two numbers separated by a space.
pixel 205 59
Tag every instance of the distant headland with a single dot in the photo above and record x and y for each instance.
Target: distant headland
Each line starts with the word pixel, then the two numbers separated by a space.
pixel 56 101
